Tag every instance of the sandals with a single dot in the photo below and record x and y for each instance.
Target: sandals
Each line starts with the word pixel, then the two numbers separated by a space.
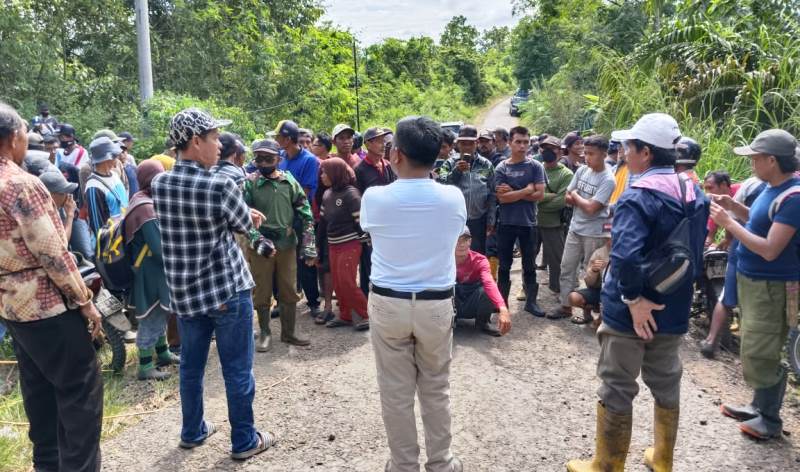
pixel 323 317
pixel 265 441
pixel 557 315
pixel 362 325
pixel 338 323
pixel 210 430
pixel 582 319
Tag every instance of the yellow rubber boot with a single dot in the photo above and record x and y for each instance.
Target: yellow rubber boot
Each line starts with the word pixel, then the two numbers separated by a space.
pixel 494 264
pixel 611 444
pixel 659 458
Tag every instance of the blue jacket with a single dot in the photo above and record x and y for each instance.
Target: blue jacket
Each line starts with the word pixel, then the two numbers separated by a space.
pixel 643 218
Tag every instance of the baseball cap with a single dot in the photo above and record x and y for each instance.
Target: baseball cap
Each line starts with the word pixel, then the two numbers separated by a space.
pixel 192 122
pixel 775 142
pixel 288 129
pixel 551 140
pixel 486 134
pixel 66 129
pixel 376 132
pixel 657 129
pixel 467 133
pixel 38 162
pixel 35 141
pixel 613 146
pixel 570 138
pixel 107 133
pixel 341 127
pixel 56 183
pixel 266 145
pixel 126 136
pixel 103 149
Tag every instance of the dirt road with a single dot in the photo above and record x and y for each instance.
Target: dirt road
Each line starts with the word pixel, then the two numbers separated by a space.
pixel 524 402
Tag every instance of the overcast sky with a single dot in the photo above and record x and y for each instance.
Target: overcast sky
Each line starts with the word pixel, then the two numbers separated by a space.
pixel 374 20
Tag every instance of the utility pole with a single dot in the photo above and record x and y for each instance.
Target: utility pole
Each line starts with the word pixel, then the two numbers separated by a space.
pixel 143 50
pixel 355 67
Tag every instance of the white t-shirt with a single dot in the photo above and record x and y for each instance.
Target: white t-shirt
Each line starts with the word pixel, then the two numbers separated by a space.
pixel 414 225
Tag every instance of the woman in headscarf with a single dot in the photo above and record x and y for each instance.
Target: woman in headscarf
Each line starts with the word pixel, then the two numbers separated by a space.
pixel 150 292
pixel 339 211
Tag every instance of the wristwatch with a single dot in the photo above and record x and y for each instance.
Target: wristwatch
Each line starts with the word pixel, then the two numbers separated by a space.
pixel 630 302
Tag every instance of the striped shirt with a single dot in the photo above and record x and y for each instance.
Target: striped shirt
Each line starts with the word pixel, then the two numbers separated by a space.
pixel 198 211
pixel 340 211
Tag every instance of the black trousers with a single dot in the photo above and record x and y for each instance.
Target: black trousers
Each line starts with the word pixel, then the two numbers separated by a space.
pixel 472 302
pixel 365 268
pixel 507 236
pixel 62 392
pixel 307 280
pixel 477 229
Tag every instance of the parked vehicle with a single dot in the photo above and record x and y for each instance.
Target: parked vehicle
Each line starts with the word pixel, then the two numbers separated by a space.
pixel 519 98
pixel 454 126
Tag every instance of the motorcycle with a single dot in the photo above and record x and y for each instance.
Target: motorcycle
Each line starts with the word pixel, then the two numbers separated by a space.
pixel 111 309
pixel 708 287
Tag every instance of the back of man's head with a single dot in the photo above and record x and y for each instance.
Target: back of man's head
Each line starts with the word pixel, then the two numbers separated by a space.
pixel 420 139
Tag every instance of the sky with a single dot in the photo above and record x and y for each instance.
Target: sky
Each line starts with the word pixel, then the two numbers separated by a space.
pixel 374 20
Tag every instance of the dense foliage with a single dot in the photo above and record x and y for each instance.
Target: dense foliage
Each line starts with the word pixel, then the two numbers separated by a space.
pixel 255 61
pixel 726 69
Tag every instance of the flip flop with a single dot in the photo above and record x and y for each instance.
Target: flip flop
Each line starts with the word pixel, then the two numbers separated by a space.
pixel 265 441
pixel 210 430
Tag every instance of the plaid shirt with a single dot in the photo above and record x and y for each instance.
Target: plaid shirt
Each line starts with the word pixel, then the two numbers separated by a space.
pixel 198 211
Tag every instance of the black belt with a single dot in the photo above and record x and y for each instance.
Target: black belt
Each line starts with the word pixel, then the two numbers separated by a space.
pixel 424 295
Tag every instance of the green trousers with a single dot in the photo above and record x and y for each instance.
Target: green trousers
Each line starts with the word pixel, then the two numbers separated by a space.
pixel 763 329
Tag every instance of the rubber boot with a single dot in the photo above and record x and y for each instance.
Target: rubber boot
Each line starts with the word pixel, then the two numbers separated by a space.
pixel 741 413
pixel 532 292
pixel 494 264
pixel 612 442
pixel 264 343
pixel 288 319
pixel 659 457
pixel 768 423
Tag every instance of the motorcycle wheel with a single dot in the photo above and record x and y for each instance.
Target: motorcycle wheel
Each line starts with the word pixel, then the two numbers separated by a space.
pixel 793 350
pixel 115 340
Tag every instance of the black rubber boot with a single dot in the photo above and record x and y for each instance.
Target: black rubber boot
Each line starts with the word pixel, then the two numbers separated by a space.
pixel 264 343
pixel 741 413
pixel 768 423
pixel 532 291
pixel 288 321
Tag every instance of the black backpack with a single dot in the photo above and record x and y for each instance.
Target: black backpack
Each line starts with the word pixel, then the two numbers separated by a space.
pixel 671 264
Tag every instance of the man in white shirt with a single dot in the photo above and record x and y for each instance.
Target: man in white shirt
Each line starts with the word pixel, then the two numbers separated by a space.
pixel 414 224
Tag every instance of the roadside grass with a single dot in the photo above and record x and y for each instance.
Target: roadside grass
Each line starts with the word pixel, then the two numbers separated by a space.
pixel 122 395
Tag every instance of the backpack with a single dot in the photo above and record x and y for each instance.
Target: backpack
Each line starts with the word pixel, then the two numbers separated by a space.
pixel 671 264
pixel 775 205
pixel 113 261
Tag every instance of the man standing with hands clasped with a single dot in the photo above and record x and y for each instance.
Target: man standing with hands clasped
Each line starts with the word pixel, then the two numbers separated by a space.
pixel 414 224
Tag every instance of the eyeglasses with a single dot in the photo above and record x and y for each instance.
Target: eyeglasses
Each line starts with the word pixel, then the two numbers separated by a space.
pixel 258 159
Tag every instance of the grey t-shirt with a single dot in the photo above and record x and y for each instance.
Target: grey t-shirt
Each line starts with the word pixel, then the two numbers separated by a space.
pixel 596 186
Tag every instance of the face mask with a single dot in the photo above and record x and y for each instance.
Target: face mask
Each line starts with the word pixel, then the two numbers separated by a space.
pixel 266 171
pixel 549 156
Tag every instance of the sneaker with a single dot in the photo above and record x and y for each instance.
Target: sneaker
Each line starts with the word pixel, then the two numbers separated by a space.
pixel 338 323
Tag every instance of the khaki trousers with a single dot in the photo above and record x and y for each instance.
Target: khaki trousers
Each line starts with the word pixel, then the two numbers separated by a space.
pixel 624 355
pixel 413 343
pixel 280 269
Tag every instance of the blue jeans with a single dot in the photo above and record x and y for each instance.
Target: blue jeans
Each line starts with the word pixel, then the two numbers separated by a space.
pixel 233 325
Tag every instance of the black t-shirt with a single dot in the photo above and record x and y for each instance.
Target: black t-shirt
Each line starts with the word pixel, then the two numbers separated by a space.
pixel 340 212
pixel 367 175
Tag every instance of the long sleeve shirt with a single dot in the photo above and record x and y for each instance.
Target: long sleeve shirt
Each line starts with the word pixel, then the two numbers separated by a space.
pixel 477 185
pixel 475 268
pixel 36 268
pixel 549 208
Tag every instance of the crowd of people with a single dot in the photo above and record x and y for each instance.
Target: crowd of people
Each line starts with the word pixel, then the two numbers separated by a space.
pixel 410 230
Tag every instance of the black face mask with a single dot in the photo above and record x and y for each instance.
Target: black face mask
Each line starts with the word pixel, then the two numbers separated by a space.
pixel 266 171
pixel 548 155
pixel 66 144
